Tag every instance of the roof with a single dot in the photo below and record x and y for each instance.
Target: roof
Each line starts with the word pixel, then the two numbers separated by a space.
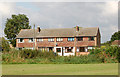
pixel 116 42
pixel 59 32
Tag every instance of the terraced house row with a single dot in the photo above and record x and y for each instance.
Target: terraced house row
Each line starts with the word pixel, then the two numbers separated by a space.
pixel 64 41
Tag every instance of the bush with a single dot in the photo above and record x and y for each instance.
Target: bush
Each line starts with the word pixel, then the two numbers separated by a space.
pixel 108 54
pixel 5 45
pixel 103 55
pixel 12 57
pixel 28 53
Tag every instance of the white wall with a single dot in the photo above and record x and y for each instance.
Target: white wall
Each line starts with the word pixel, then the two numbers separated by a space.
pixel 65 54
pixel 68 54
pixel 60 54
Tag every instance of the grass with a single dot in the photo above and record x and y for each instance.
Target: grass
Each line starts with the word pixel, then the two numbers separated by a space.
pixel 60 69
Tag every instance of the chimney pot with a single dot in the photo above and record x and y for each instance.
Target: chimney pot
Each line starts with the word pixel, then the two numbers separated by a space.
pixel 38 29
pixel 77 28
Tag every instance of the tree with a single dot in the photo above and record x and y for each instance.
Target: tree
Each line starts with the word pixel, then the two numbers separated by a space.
pixel 115 36
pixel 14 25
pixel 5 45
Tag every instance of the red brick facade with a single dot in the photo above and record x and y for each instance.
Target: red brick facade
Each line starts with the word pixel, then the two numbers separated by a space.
pixel 64 43
pixel 65 47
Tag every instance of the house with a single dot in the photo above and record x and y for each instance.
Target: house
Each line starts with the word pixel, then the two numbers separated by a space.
pixel 64 41
pixel 116 43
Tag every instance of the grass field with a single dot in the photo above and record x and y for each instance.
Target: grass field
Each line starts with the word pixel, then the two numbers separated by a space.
pixel 60 69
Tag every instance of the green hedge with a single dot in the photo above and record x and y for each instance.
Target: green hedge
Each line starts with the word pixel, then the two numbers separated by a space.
pixel 101 55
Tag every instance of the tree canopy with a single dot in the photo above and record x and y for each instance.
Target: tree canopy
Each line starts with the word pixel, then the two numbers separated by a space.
pixel 14 25
pixel 115 36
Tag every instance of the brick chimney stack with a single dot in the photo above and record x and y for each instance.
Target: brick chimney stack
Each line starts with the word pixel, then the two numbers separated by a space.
pixel 38 29
pixel 77 28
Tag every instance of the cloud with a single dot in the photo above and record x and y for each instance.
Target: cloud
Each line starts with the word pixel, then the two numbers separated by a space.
pixel 110 8
pixel 68 14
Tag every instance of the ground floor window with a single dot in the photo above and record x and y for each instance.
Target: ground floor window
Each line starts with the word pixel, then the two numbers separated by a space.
pixel 58 50
pixel 19 48
pixel 42 49
pixel 30 48
pixel 50 49
pixel 80 49
pixel 45 49
pixel 68 49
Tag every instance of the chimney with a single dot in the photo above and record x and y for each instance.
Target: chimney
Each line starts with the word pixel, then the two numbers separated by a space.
pixel 77 28
pixel 38 29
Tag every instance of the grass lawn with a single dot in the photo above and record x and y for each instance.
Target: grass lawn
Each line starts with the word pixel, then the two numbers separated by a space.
pixel 60 69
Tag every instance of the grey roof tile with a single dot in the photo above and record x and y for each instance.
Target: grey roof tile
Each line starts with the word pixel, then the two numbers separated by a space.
pixel 60 32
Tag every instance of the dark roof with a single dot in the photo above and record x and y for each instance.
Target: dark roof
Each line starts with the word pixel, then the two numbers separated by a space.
pixel 60 32
pixel 116 42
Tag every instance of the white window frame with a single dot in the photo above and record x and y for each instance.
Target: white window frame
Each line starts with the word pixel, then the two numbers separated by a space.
pixel 20 41
pixel 50 39
pixel 70 39
pixel 31 41
pixel 30 48
pixel 59 39
pixel 39 39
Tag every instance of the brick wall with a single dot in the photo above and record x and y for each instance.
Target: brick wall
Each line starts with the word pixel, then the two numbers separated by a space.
pixel 25 44
pixel 64 43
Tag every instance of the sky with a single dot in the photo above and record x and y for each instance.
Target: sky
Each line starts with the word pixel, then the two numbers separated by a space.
pixel 65 15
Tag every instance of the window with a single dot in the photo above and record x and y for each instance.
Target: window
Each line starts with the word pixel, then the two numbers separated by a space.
pixel 21 40
pixel 39 39
pixel 30 48
pixel 42 49
pixel 68 49
pixel 71 39
pixel 81 49
pixel 58 50
pixel 79 38
pixel 30 39
pixel 91 38
pixel 59 39
pixel 50 39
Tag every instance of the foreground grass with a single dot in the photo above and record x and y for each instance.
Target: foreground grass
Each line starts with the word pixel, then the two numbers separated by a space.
pixel 60 69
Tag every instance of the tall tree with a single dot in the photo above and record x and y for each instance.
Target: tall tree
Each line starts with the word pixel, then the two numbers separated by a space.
pixel 14 25
pixel 115 36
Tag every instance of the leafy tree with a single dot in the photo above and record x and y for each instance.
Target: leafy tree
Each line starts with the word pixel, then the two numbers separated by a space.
pixel 115 36
pixel 14 25
pixel 5 45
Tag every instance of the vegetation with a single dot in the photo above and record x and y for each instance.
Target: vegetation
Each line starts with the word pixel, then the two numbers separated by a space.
pixel 115 36
pixel 60 69
pixel 14 25
pixel 109 54
pixel 103 55
pixel 5 45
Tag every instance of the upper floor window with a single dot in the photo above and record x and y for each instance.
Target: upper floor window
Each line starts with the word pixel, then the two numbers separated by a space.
pixel 39 39
pixel 21 40
pixel 59 39
pixel 50 39
pixel 30 39
pixel 91 39
pixel 79 38
pixel 71 39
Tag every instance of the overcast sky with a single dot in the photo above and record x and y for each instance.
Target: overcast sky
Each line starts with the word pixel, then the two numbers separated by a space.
pixel 65 15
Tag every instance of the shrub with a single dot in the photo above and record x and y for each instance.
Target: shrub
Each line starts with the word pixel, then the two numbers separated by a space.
pixel 12 57
pixel 28 53
pixel 107 55
pixel 5 45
